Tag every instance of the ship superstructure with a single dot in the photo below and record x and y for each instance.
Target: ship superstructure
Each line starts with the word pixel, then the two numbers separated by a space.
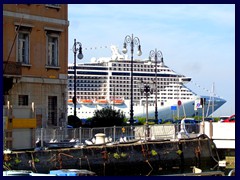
pixel 106 82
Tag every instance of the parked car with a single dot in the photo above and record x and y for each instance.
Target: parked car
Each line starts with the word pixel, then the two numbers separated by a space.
pixel 209 119
pixel 169 121
pixel 230 119
pixel 222 118
pixel 135 121
pixel 153 121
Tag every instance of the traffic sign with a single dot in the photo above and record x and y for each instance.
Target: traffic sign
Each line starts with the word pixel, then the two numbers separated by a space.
pixel 179 103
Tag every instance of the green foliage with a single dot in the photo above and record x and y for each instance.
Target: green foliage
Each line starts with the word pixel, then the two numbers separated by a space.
pixel 141 120
pixel 108 117
pixel 7 166
pixel 36 160
pixel 123 155
pixel 179 152
pixel 73 121
pixel 88 123
pixel 167 123
pixel 154 153
pixel 17 161
pixel 116 156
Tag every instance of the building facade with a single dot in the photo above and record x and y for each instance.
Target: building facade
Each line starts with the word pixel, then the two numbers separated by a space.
pixel 35 64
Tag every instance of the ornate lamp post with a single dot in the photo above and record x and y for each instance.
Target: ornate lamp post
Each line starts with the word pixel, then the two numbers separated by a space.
pixel 147 90
pixel 156 54
pixel 80 56
pixel 132 41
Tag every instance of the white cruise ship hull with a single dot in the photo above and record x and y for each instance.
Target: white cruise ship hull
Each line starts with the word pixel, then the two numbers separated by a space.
pixel 167 111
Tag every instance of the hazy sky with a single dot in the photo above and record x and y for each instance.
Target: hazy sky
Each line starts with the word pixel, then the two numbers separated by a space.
pixel 196 40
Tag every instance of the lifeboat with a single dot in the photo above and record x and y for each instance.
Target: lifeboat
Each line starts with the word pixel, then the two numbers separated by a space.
pixel 86 101
pixel 70 101
pixel 118 101
pixel 185 80
pixel 102 101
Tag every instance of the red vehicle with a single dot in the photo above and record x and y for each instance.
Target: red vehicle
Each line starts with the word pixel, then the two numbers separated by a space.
pixel 230 119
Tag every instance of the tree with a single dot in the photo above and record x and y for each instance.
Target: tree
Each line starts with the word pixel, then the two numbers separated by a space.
pixel 73 121
pixel 107 117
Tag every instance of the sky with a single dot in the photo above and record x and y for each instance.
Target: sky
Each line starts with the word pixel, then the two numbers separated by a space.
pixel 196 40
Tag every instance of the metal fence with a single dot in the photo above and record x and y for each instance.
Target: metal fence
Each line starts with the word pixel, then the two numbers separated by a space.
pixel 157 131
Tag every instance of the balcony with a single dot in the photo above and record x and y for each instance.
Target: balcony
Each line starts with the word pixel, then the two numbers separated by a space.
pixel 12 68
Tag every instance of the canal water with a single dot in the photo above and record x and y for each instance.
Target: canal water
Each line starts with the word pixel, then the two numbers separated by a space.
pixel 145 169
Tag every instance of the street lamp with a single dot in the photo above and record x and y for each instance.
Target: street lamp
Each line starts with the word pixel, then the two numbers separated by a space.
pixel 132 41
pixel 146 89
pixel 80 56
pixel 156 54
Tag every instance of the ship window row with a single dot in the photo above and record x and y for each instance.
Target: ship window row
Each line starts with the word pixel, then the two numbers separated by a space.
pixel 118 86
pixel 144 79
pixel 87 93
pixel 113 77
pixel 170 94
pixel 86 89
pixel 91 68
pixel 79 112
pixel 149 104
pixel 98 96
pixel 86 81
pixel 86 96
pixel 137 69
pixel 78 97
pixel 117 89
pixel 116 93
pixel 86 85
pixel 92 73
pixel 87 77
pixel 89 73
pixel 123 84
pixel 136 66
pixel 138 75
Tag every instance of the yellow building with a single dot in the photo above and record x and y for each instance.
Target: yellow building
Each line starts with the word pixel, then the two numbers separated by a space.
pixel 35 65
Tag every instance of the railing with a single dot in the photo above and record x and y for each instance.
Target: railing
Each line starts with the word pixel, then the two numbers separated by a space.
pixel 157 132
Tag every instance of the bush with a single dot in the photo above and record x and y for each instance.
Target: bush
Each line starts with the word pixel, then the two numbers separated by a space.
pixel 108 117
pixel 73 121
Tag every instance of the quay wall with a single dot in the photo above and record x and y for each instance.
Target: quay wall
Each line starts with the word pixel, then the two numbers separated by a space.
pixel 222 134
pixel 123 159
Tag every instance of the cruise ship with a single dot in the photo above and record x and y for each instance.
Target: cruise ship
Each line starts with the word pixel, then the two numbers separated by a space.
pixel 106 82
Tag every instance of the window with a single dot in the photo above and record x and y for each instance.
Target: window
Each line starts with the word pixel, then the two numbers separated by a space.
pixel 23 100
pixel 52 51
pixel 23 44
pixel 52 47
pixel 52 110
